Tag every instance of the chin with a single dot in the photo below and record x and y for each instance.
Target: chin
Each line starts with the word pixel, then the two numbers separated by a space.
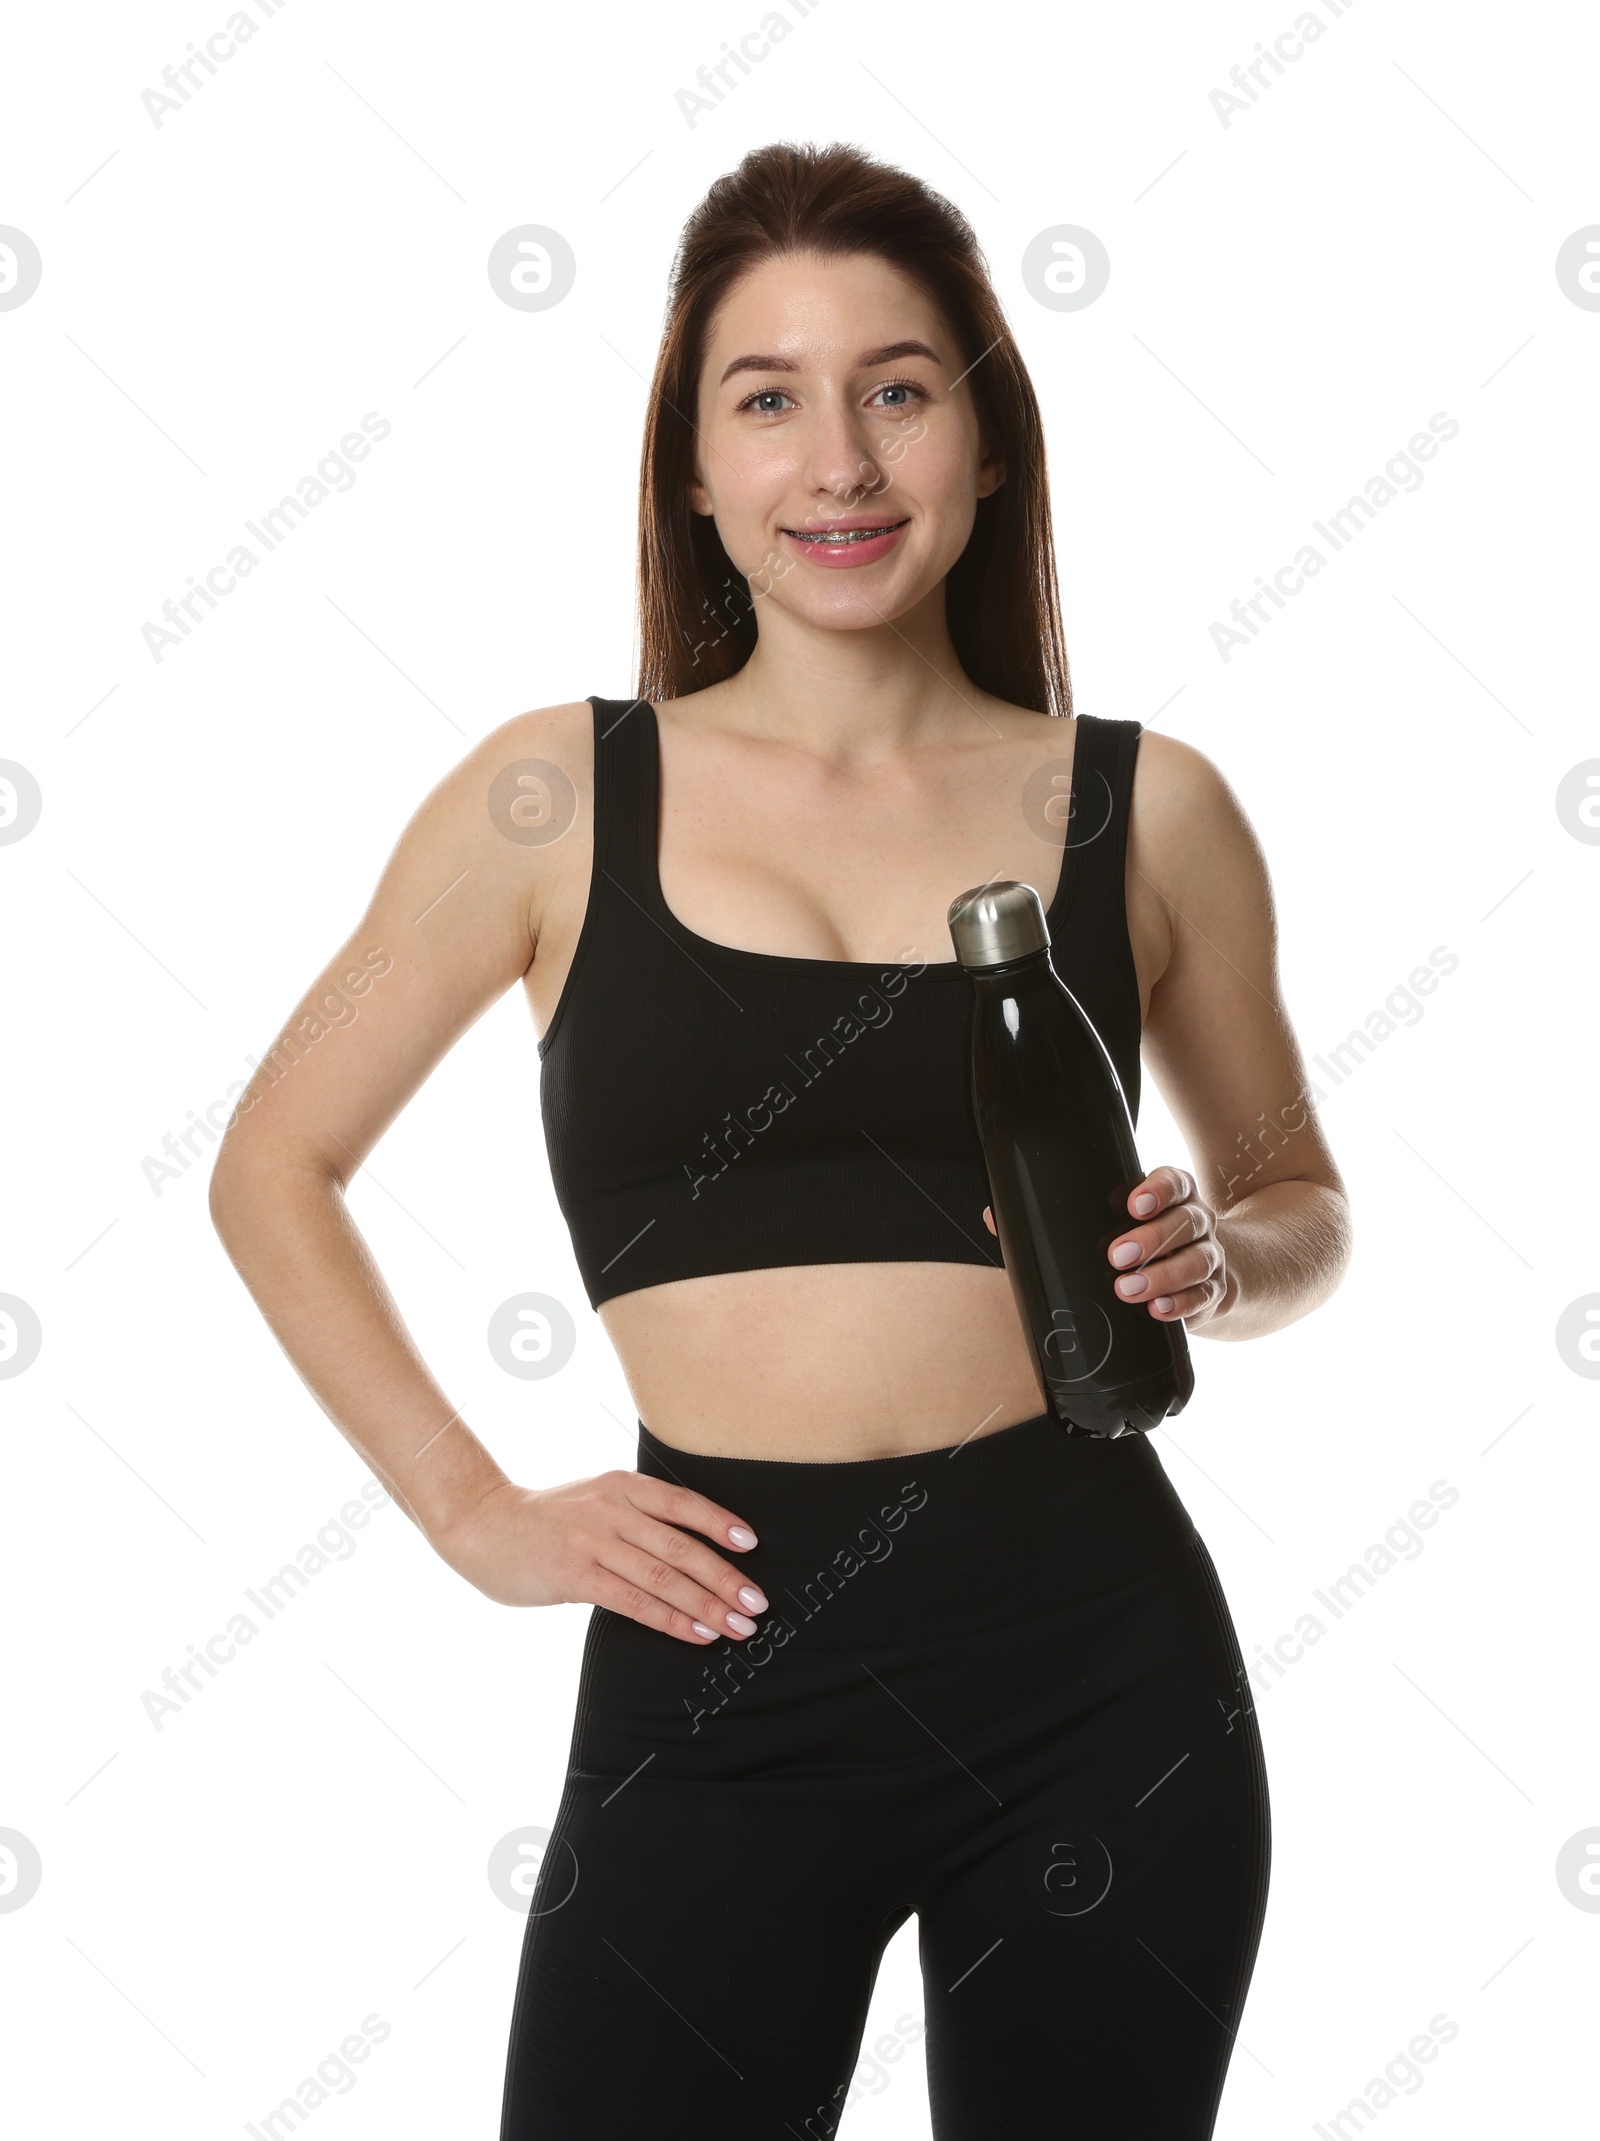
pixel 848 615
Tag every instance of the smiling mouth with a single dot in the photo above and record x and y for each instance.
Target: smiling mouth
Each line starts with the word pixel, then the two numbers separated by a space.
pixel 840 538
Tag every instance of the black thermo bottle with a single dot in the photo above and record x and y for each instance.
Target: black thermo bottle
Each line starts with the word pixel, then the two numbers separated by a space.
pixel 1058 1140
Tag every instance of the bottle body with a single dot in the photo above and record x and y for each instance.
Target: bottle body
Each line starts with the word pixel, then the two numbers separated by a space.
pixel 1058 1141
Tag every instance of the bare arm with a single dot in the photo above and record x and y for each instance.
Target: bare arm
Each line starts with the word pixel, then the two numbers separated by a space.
pixel 1263 1235
pixel 453 923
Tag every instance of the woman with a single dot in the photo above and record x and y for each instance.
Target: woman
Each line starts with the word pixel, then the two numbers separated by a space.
pixel 872 1633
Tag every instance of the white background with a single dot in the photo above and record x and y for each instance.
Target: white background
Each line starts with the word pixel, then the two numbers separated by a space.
pixel 1292 296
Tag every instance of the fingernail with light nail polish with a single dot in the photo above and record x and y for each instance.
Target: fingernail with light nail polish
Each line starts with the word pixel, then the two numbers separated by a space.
pixel 740 1535
pixel 751 1597
pixel 740 1626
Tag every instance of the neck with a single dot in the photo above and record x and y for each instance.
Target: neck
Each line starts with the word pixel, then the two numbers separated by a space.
pixel 853 695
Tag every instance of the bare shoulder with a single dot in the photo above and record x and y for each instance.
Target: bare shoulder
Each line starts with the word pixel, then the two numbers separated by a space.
pixel 490 832
pixel 1184 817
pixel 525 783
pixel 450 925
pixel 549 743
pixel 1173 777
pixel 486 843
pixel 557 739
pixel 1194 862
pixel 1185 820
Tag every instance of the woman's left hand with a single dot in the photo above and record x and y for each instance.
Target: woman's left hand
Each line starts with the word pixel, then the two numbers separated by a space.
pixel 1172 1259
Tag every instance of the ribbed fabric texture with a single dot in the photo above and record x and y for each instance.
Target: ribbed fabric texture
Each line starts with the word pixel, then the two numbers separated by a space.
pixel 710 1109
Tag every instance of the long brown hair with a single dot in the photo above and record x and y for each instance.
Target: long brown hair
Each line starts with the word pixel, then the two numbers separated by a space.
pixel 697 620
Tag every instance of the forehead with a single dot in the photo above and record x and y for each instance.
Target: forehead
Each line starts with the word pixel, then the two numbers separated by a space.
pixel 824 311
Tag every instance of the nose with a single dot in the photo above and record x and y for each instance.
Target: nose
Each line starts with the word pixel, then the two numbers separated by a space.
pixel 840 468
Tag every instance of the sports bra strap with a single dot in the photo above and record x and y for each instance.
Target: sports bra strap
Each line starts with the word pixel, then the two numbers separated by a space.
pixel 1102 791
pixel 1097 912
pixel 624 797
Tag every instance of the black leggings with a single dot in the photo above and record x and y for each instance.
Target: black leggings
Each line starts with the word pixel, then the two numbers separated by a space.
pixel 997 1685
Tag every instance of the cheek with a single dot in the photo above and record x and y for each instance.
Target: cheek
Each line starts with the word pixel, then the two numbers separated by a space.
pixel 941 487
pixel 933 464
pixel 751 481
pixel 740 528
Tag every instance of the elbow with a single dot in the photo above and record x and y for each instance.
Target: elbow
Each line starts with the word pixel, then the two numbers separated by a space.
pixel 229 1196
pixel 1337 1231
pixel 249 1179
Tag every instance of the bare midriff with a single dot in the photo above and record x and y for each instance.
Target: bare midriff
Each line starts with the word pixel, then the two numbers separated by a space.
pixel 825 1363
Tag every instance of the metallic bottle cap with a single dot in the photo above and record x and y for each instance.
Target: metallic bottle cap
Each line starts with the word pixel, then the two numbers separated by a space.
pixel 996 923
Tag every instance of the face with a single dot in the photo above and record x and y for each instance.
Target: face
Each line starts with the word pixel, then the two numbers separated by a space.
pixel 839 451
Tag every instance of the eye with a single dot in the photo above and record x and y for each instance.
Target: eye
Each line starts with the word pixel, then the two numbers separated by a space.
pixel 767 396
pixel 906 388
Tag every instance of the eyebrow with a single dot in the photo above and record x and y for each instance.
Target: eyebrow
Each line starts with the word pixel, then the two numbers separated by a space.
pixel 868 358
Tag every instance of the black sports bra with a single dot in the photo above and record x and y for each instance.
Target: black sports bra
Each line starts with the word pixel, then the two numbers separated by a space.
pixel 710 1109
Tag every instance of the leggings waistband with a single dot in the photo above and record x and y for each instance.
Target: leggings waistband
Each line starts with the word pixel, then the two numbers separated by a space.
pixel 1002 1527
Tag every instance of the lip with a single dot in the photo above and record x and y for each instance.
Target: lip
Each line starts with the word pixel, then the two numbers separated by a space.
pixel 837 557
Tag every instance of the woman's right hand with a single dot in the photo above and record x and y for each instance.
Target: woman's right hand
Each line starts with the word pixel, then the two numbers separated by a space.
pixel 613 1541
